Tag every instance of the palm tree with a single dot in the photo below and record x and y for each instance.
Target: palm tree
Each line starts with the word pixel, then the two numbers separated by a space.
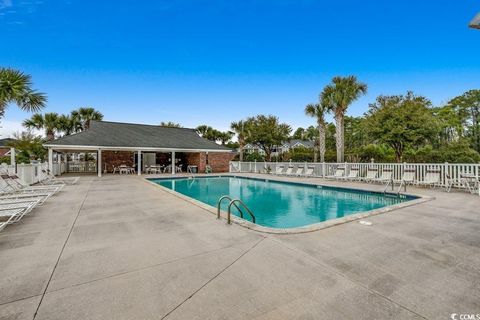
pixel 224 137
pixel 67 124
pixel 338 96
pixel 15 87
pixel 318 111
pixel 48 122
pixel 240 129
pixel 170 124
pixel 84 116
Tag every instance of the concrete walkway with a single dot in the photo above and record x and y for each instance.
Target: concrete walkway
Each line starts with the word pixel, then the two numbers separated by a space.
pixel 120 248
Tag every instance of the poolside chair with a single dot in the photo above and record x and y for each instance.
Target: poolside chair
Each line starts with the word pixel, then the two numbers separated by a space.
pixel 339 174
pixel 385 177
pixel 24 186
pixel 352 175
pixel 8 216
pixel 11 191
pixel 309 172
pixel 371 175
pixel 50 179
pixel 17 185
pixel 299 171
pixel 408 177
pixel 432 178
pixel 12 205
pixel 279 170
pixel 289 171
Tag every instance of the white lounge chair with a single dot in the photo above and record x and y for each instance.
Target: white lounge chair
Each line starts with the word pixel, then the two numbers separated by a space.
pixel 339 174
pixel 26 205
pixel 352 175
pixel 8 216
pixel 386 176
pixel 49 179
pixel 309 172
pixel 432 178
pixel 408 177
pixel 17 185
pixel 371 175
pixel 279 170
pixel 289 171
pixel 299 171
pixel 24 186
pixel 11 191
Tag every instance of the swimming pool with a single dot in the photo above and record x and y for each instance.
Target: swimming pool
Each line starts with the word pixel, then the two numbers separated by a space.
pixel 279 204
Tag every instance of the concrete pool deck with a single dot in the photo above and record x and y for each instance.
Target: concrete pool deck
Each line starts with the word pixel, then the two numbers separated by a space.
pixel 119 248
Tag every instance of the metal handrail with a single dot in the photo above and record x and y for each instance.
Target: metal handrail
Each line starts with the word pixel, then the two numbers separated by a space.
pixel 220 202
pixel 243 204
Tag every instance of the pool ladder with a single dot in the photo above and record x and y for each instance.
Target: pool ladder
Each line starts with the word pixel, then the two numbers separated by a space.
pixel 390 182
pixel 233 202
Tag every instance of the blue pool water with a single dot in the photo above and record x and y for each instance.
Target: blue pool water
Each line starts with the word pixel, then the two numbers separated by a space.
pixel 281 204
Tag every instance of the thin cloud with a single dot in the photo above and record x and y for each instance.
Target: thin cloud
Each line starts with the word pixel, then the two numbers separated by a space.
pixel 5 4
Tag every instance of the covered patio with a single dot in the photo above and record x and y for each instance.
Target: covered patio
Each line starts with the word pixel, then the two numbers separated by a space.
pixel 124 148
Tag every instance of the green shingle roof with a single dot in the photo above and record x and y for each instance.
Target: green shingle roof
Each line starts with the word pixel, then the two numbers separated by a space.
pixel 129 135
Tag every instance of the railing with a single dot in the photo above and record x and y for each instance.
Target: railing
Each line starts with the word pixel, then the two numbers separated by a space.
pixel 82 166
pixel 448 171
pixel 229 213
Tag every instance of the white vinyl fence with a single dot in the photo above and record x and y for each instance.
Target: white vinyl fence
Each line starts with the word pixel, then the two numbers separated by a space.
pixel 452 172
pixel 32 173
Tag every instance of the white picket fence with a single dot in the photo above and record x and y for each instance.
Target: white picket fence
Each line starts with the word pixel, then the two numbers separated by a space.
pixel 32 173
pixel 452 171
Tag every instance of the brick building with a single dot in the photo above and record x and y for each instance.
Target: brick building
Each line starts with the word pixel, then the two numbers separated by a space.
pixel 109 146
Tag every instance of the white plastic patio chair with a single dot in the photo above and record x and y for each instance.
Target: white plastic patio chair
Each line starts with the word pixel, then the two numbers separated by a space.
pixel 26 205
pixel 309 172
pixel 50 179
pixel 279 170
pixel 408 177
pixel 289 171
pixel 339 174
pixel 9 216
pixel 386 176
pixel 352 175
pixel 299 171
pixel 24 186
pixel 371 175
pixel 432 178
pixel 11 191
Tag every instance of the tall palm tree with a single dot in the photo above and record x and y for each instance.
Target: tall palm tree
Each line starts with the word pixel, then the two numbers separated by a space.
pixel 67 124
pixel 84 116
pixel 15 87
pixel 240 129
pixel 170 124
pixel 48 122
pixel 338 96
pixel 224 137
pixel 318 111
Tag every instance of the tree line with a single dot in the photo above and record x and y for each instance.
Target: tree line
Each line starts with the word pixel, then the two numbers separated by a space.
pixel 404 127
pixel 396 128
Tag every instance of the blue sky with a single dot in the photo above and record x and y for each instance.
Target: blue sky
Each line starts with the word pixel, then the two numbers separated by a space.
pixel 213 62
